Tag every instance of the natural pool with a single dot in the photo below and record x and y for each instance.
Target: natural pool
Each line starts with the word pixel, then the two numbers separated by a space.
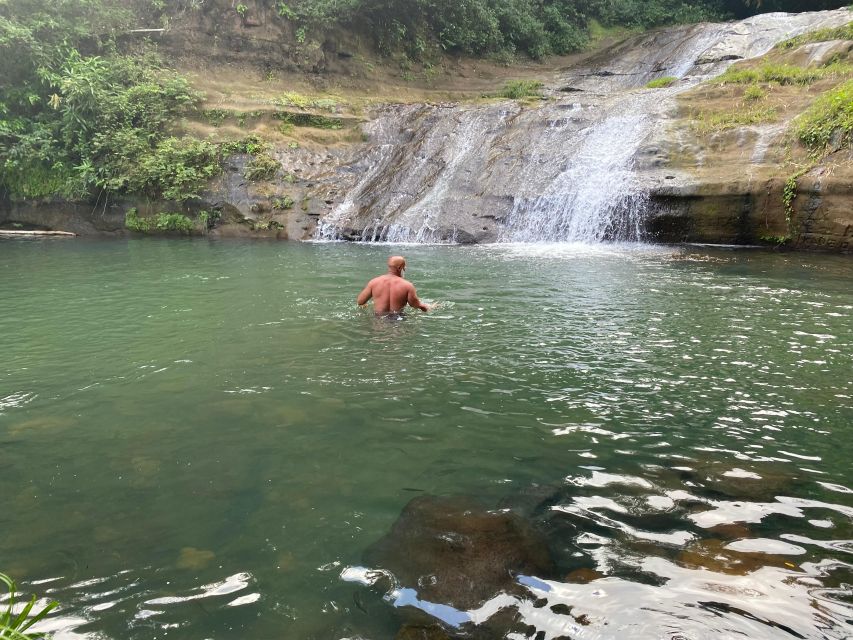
pixel 197 438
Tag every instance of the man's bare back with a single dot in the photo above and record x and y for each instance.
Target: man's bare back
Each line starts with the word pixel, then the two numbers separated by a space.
pixel 391 292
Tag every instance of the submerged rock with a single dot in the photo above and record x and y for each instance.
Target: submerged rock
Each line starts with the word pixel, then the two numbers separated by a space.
pixel 415 632
pixel 718 556
pixel 454 552
pixel 192 558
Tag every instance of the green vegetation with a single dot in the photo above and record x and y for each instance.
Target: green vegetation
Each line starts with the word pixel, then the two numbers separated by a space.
pixel 309 120
pixel 251 145
pixel 716 121
pixel 505 28
pixel 216 117
pixel 661 83
pixel 266 225
pixel 283 203
pixel 207 219
pixel 789 194
pixel 754 93
pixel 78 119
pixel 829 121
pixel 775 240
pixel 826 127
pixel 13 626
pixel 536 28
pixel 822 35
pixel 293 99
pixel 518 89
pixel 166 222
pixel 261 167
pixel 88 114
pixel 176 169
pixel 784 74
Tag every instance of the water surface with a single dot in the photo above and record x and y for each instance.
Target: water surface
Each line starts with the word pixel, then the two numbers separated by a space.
pixel 198 438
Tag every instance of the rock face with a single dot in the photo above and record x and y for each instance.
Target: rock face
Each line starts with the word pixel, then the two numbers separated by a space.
pixel 82 219
pixel 214 32
pixel 602 158
pixel 453 552
pixel 728 185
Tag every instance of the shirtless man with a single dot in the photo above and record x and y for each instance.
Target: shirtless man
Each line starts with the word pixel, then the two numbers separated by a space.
pixel 391 292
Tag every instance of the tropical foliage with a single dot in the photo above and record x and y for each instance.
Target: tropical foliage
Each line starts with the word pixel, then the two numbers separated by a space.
pixel 86 112
pixel 14 624
pixel 77 117
pixel 536 28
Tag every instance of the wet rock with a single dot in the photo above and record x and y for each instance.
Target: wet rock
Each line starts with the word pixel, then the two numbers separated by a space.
pixel 454 552
pixel 713 555
pixel 583 576
pixel 532 499
pixel 759 482
pixel 414 632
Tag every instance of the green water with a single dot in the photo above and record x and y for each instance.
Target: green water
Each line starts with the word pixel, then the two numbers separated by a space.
pixel 197 438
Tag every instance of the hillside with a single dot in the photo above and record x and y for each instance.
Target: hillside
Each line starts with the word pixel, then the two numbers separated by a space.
pixel 240 120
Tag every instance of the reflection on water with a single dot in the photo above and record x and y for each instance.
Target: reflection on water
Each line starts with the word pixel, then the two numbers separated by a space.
pixel 204 439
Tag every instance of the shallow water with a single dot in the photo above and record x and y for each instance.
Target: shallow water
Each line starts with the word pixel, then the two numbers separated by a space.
pixel 198 439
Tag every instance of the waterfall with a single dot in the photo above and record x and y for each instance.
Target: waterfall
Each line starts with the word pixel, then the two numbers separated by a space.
pixel 567 170
pixel 595 197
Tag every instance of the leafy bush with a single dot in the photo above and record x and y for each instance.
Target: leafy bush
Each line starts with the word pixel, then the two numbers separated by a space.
pixel 133 222
pixel 207 219
pixel 251 144
pixel 830 116
pixel 173 222
pixel 78 119
pixel 261 167
pixel 536 28
pixel 661 83
pixel 176 169
pixel 162 222
pixel 309 120
pixel 283 203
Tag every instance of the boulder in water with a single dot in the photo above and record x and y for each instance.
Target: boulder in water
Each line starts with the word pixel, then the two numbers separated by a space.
pixel 454 552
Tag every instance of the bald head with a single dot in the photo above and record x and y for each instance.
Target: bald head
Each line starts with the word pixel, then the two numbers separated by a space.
pixel 396 264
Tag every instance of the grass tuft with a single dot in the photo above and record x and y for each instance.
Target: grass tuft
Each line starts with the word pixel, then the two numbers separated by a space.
pixel 661 83
pixel 784 74
pixel 829 121
pixel 716 121
pixel 821 35
pixel 518 89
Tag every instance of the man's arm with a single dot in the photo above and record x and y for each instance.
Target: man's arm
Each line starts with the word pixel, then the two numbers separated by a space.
pixel 365 295
pixel 415 302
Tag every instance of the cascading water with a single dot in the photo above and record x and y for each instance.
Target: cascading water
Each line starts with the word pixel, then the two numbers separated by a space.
pixel 568 170
pixel 416 224
pixel 595 197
